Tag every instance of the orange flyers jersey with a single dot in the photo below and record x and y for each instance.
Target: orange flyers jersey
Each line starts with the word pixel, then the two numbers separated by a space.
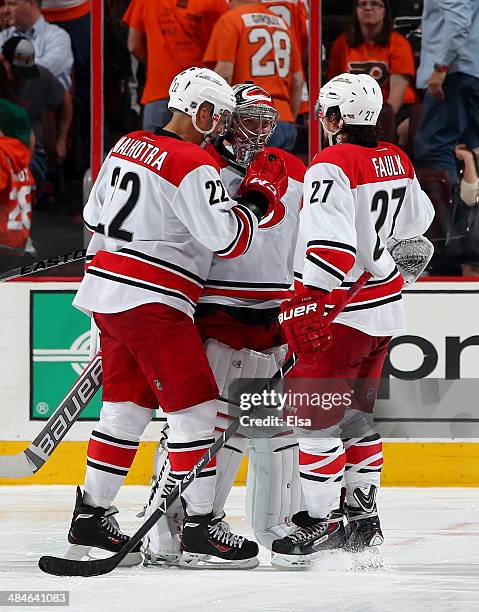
pixel 379 62
pixel 295 14
pixel 16 185
pixel 177 32
pixel 262 48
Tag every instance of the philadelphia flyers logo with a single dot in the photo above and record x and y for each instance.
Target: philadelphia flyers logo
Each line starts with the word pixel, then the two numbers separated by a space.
pixel 275 218
pixel 378 70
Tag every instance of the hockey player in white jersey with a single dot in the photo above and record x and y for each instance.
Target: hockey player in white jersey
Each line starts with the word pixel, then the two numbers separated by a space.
pixel 237 319
pixel 357 194
pixel 159 211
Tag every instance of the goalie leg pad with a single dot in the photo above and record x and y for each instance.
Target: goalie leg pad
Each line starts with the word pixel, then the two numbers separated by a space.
pixel 273 493
pixel 162 543
pixel 228 461
pixel 230 365
pixel 111 450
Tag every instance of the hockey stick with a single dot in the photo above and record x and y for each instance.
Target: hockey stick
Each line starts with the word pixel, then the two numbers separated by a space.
pixel 97 567
pixel 38 452
pixel 43 264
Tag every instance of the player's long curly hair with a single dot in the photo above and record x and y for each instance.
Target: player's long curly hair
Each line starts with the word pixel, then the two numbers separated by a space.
pixel 354 35
pixel 362 135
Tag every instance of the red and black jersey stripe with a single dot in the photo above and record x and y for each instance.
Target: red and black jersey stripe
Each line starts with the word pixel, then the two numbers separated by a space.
pixel 335 258
pixel 137 269
pixel 247 289
pixel 242 241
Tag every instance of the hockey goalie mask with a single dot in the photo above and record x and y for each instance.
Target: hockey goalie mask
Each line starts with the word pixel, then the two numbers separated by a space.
pixel 351 99
pixel 194 86
pixel 252 123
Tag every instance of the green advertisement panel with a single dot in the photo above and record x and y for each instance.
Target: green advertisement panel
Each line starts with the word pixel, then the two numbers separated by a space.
pixel 59 345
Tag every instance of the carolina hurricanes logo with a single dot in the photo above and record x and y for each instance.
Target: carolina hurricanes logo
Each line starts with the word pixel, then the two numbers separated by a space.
pixel 255 95
pixel 275 218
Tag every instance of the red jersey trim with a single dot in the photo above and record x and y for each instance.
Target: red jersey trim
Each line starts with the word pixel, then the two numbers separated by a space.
pixel 339 256
pixel 124 268
pixel 242 240
pixel 369 297
pixel 362 165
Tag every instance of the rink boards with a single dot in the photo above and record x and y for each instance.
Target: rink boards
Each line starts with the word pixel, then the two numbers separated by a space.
pixel 44 347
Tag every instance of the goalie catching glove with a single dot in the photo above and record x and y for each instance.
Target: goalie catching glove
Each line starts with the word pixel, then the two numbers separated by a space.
pixel 306 328
pixel 265 183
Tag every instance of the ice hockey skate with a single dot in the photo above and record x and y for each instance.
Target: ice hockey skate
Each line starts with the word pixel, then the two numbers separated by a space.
pixel 208 542
pixel 95 527
pixel 364 528
pixel 312 535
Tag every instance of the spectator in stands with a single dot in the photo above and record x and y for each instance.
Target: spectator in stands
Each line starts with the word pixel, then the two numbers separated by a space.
pixel 295 14
pixel 170 36
pixel 469 186
pixel 371 46
pixel 449 72
pixel 35 88
pixel 52 44
pixel 250 43
pixel 16 185
pixel 74 17
pixel 5 21
pixel 469 193
pixel 14 118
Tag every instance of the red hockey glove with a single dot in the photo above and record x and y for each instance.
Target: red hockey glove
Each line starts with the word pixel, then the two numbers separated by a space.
pixel 266 181
pixel 305 325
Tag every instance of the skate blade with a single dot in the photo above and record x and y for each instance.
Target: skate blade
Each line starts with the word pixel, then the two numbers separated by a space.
pixel 164 560
pixel 290 562
pixel 78 552
pixel 192 560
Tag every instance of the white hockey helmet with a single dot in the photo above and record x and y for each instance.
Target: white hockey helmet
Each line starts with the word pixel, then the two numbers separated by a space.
pixel 358 97
pixel 190 88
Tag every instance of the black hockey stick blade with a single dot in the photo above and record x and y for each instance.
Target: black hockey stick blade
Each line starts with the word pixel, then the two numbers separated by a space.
pixel 34 457
pixel 43 264
pixel 58 566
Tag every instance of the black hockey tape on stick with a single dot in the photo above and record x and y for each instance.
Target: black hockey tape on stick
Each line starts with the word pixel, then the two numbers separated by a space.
pixel 97 567
pixel 39 451
pixel 43 264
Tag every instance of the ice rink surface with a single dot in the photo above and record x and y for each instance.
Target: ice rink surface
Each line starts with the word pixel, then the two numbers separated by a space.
pixel 431 560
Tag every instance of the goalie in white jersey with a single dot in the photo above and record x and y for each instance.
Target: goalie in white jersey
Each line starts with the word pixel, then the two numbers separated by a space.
pixel 357 194
pixel 159 211
pixel 237 319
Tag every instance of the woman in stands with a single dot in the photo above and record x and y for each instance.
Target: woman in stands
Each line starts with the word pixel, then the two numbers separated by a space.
pixel 371 46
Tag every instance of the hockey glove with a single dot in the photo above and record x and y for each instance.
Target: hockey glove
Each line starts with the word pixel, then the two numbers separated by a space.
pixel 306 328
pixel 265 183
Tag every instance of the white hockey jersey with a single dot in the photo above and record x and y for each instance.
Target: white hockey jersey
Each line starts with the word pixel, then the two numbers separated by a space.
pixel 158 211
pixel 262 277
pixel 355 198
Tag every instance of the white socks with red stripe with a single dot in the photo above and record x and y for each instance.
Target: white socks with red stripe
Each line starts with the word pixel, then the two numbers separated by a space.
pixel 321 468
pixel 364 461
pixel 191 433
pixel 111 450
pixel 323 462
